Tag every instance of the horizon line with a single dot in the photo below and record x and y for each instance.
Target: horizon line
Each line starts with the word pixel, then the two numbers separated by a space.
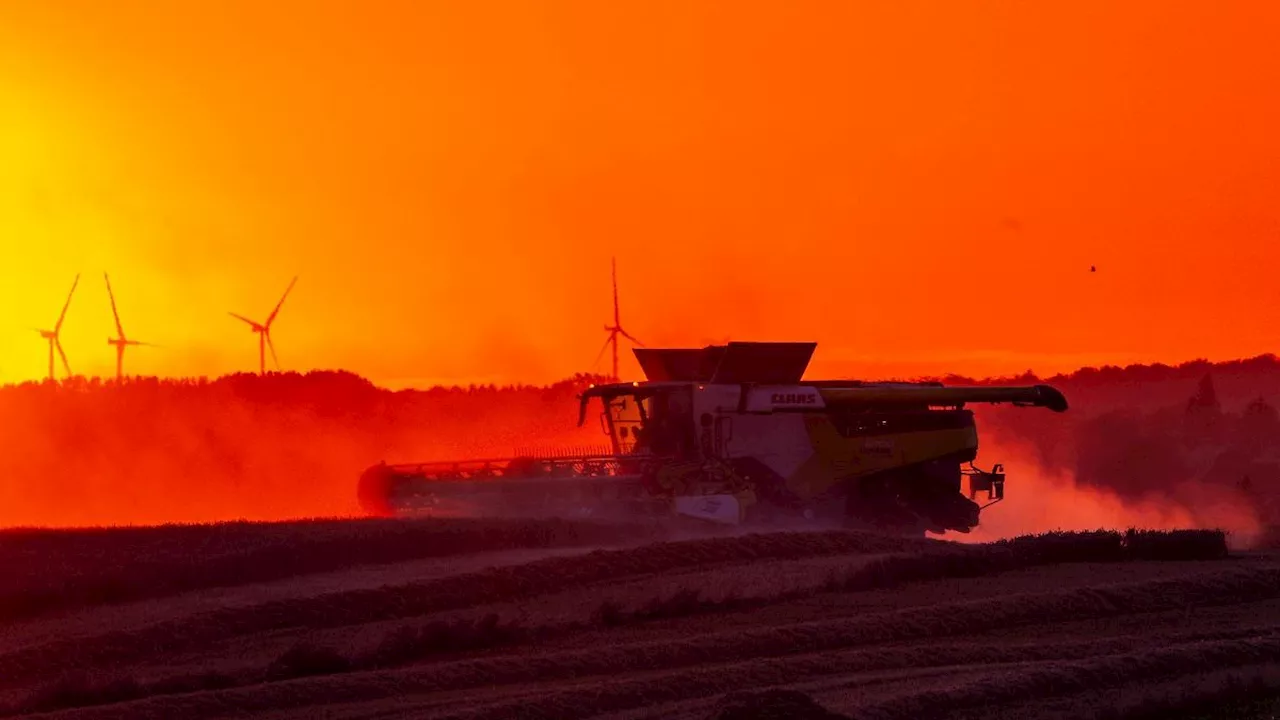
pixel 491 383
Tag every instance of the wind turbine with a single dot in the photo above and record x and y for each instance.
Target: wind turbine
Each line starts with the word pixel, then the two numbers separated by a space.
pixel 264 331
pixel 121 342
pixel 52 335
pixel 616 329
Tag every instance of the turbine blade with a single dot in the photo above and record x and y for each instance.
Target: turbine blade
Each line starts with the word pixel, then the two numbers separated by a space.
pixel 115 313
pixel 252 324
pixel 600 354
pixel 66 305
pixel 272 317
pixel 271 346
pixel 630 337
pixel 65 365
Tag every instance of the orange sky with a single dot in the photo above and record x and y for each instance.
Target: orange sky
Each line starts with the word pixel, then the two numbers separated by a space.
pixel 916 186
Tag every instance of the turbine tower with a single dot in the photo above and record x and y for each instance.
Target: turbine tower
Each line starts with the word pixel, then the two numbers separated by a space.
pixel 264 332
pixel 52 335
pixel 616 329
pixel 121 341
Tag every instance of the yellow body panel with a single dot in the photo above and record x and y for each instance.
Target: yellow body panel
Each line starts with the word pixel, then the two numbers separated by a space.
pixel 837 457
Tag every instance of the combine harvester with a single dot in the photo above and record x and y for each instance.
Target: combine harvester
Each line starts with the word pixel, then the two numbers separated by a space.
pixel 732 434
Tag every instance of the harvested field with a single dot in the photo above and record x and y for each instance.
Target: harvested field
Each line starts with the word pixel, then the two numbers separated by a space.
pixel 456 619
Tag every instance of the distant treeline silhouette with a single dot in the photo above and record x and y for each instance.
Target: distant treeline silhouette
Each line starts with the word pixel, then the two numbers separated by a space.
pixel 90 451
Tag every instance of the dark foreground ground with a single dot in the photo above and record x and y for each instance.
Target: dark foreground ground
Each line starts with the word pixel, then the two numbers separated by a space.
pixel 432 619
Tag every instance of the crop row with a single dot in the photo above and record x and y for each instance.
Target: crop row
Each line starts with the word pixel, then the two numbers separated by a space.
pixel 413 643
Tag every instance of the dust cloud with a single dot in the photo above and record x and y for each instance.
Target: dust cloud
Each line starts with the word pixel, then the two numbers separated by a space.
pixel 1040 499
pixel 1144 447
pixel 245 447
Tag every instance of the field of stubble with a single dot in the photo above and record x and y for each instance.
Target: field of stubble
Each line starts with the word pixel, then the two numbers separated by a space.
pixel 521 619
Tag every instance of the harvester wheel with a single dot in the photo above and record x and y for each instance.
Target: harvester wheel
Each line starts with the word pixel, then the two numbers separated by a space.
pixel 374 490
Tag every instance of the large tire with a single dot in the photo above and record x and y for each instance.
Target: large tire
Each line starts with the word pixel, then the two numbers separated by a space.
pixel 911 500
pixel 374 491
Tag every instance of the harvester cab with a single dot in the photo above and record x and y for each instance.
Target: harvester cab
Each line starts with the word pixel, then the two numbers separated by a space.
pixel 644 419
pixel 733 434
